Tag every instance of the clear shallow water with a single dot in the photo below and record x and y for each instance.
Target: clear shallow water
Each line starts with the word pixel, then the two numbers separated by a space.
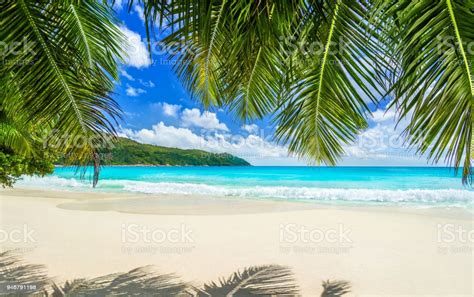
pixel 420 185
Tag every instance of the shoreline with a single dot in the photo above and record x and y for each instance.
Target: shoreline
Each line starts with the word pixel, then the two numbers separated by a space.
pixel 159 165
pixel 194 204
pixel 381 251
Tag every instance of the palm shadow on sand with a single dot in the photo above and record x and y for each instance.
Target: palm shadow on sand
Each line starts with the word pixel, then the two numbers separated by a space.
pixel 18 278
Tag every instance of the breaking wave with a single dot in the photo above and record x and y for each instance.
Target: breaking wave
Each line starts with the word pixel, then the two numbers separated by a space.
pixel 421 196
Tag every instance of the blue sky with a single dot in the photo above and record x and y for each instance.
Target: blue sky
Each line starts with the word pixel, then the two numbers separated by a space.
pixel 158 110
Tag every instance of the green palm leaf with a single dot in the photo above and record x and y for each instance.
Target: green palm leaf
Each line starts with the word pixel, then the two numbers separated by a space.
pixel 326 106
pixel 92 29
pixel 198 55
pixel 65 77
pixel 235 54
pixel 228 54
pixel 16 132
pixel 434 85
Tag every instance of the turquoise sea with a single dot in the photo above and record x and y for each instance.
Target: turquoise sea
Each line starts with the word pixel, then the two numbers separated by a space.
pixel 401 185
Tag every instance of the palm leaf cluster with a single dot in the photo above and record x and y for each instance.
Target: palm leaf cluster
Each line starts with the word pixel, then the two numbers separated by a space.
pixel 255 58
pixel 247 56
pixel 434 83
pixel 57 75
pixel 268 280
pixel 316 67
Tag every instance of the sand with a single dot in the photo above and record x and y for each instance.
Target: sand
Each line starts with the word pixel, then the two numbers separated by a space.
pixel 381 250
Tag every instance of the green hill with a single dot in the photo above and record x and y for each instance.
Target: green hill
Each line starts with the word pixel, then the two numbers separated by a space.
pixel 129 152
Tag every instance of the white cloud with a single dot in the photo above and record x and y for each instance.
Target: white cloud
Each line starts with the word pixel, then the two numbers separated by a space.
pixel 383 115
pixel 134 92
pixel 139 11
pixel 170 110
pixel 252 147
pixel 148 84
pixel 252 128
pixel 131 115
pixel 126 75
pixel 163 135
pixel 383 142
pixel 136 50
pixel 118 4
pixel 206 120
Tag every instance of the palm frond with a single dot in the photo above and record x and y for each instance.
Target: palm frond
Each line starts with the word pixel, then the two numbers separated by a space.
pixel 434 87
pixel 17 133
pixel 228 52
pixel 58 83
pixel 268 280
pixel 326 106
pixel 197 52
pixel 320 97
pixel 92 30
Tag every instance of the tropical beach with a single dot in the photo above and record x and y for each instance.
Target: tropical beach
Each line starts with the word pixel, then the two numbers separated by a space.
pixel 203 237
pixel 382 251
pixel 236 148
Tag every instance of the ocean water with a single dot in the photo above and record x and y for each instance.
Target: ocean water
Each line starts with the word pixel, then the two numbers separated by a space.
pixel 400 185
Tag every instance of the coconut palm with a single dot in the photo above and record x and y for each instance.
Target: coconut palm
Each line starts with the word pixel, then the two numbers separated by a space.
pixel 313 66
pixel 246 55
pixel 57 72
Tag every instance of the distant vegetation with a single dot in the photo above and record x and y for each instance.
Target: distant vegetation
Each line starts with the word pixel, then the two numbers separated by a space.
pixel 129 152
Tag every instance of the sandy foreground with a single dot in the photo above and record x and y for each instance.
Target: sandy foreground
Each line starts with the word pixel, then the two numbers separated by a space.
pixel 382 251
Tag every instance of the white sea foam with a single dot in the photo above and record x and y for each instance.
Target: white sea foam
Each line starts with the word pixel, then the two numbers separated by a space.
pixel 449 196
pixel 53 182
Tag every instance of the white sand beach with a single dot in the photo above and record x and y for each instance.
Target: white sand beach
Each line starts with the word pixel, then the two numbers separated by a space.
pixel 382 251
